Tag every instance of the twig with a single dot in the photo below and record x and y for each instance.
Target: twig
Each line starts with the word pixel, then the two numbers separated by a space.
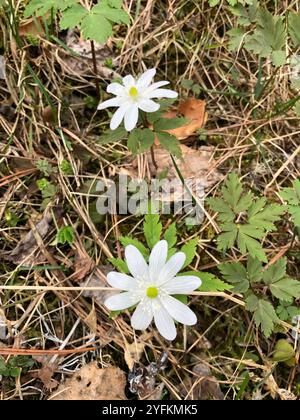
pixel 95 69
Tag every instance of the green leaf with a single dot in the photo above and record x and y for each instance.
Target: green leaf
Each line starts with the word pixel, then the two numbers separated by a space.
pixel 247 243
pixel 227 239
pixel 140 140
pixel 269 37
pixel 294 27
pixel 119 264
pixel 125 240
pixel 278 58
pixel 65 235
pixel 111 136
pixel 152 229
pixel 112 11
pixel 40 8
pixel 292 197
pixel 275 271
pixel 264 218
pixel 190 250
pixel 210 283
pixel 284 352
pixel 285 289
pixel 169 123
pixel 170 143
pixel 170 235
pixel 90 28
pixel 254 270
pixel 264 315
pixel 72 16
pixel 236 274
pixel 236 38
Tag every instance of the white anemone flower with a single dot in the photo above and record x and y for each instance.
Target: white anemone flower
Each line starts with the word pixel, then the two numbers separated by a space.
pixel 151 287
pixel 133 95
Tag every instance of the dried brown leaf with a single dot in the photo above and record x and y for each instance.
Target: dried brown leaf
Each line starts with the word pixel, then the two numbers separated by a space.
pixel 93 383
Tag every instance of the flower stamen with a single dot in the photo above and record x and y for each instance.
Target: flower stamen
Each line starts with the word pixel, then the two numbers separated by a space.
pixel 133 92
pixel 152 292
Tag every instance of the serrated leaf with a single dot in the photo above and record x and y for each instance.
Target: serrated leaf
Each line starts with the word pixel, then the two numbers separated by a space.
pixel 285 289
pixel 294 27
pixel 251 302
pixel 140 140
pixel 170 235
pixel 41 8
pixel 278 58
pixel 265 316
pixel 269 37
pixel 111 136
pixel 292 197
pixel 210 283
pixel 126 240
pixel 227 239
pixel 152 229
pixel 254 270
pixel 265 218
pixel 236 38
pixel 247 243
pixel 226 214
pixel 90 28
pixel 170 143
pixel 121 265
pixel 72 16
pixel 190 250
pixel 169 123
pixel 236 274
pixel 275 272
pixel 111 11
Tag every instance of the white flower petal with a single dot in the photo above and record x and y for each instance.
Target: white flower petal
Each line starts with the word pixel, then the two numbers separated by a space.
pixel 111 102
pixel 116 89
pixel 136 262
pixel 118 117
pixel 131 118
pixel 179 311
pixel 156 85
pixel 128 81
pixel 171 268
pixel 163 321
pixel 142 316
pixel 121 281
pixel 163 93
pixel 182 285
pixel 121 301
pixel 145 79
pixel 157 260
pixel 147 105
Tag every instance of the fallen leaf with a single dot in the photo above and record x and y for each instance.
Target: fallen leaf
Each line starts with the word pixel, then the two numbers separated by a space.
pixel 98 279
pixel 133 352
pixel 91 320
pixel 93 383
pixel 83 264
pixel 28 244
pixel 192 109
pixel 45 373
pixel 197 167
pixel 202 385
pixel 32 27
pixel 82 64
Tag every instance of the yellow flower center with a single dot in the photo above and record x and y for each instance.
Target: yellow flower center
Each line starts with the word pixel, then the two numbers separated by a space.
pixel 133 92
pixel 152 292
